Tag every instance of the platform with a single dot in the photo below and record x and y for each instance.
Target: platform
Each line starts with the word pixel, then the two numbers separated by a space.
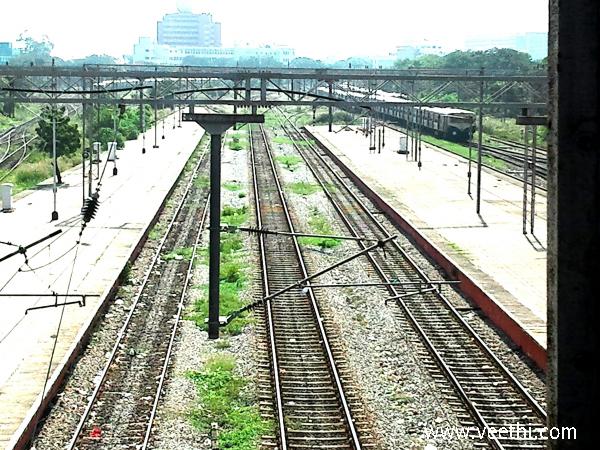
pixel 129 204
pixel 490 249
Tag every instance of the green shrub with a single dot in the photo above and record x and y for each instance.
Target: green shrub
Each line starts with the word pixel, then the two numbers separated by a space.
pixel 290 162
pixel 304 188
pixel 234 216
pixel 222 401
pixel 30 174
pixel 319 225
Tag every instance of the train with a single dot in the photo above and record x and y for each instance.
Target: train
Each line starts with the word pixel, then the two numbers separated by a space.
pixel 448 123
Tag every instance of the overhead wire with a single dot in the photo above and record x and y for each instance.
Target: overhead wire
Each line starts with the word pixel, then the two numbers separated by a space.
pixel 56 336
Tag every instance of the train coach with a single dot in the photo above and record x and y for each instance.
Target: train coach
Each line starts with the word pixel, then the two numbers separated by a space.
pixel 449 123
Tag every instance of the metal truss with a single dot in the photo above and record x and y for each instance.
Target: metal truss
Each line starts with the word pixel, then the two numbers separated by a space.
pixel 170 86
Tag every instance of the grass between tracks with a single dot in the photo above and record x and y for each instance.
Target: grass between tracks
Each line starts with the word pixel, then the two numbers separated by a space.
pixel 237 142
pixel 304 188
pixel 233 274
pixel 289 141
pixel 319 225
pixel 290 162
pixel 222 401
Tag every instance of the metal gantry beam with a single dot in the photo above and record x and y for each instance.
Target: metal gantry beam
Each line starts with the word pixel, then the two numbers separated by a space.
pixel 241 87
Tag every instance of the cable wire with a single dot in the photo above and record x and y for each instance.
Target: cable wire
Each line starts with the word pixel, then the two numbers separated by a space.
pixel 56 336
pixel 32 269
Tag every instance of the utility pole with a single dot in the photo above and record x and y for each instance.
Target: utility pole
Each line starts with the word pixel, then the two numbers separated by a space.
pixel 525 174
pixel 479 143
pixel 330 107
pixel 54 158
pixel 155 113
pixel 142 118
pixel 533 175
pixel 470 161
pixel 216 125
pixel 83 149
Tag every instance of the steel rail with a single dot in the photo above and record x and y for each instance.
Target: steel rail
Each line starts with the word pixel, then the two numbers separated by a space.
pixel 456 315
pixel 318 318
pixel 180 308
pixel 515 144
pixel 465 157
pixel 267 291
pixel 122 332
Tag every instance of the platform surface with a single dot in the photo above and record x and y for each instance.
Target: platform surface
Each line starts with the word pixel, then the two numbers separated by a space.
pixel 491 248
pixel 129 202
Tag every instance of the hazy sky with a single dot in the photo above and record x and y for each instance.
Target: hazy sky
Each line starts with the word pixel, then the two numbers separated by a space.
pixel 317 28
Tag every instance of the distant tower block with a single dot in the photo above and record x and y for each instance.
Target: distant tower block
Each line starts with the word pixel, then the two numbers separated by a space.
pixel 187 29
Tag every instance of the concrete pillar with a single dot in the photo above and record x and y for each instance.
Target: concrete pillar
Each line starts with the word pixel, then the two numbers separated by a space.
pixel 214 251
pixel 216 125
pixel 6 196
pixel 97 146
pixel 112 151
pixel 574 220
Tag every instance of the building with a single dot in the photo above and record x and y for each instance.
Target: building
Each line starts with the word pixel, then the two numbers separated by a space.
pixel 416 50
pixel 535 44
pixel 146 51
pixel 187 29
pixel 6 52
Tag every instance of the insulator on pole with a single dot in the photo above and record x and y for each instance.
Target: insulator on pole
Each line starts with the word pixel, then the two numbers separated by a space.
pixel 90 208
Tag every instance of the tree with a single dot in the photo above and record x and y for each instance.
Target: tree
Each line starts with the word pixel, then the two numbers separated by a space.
pixel 306 63
pixel 68 138
pixel 127 122
pixel 92 59
pixel 34 51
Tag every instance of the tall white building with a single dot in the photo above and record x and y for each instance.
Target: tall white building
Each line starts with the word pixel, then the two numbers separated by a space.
pixel 185 28
pixel 146 51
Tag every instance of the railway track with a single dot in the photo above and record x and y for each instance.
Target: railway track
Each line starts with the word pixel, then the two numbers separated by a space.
pixel 517 160
pixel 121 410
pixel 512 156
pixel 490 395
pixel 312 409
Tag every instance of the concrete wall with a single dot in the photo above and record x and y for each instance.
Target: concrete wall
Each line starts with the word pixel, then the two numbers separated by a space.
pixel 574 219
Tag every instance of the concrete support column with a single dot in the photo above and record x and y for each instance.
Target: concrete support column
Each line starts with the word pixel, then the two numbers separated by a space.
pixel 214 249
pixel 216 125
pixel 574 220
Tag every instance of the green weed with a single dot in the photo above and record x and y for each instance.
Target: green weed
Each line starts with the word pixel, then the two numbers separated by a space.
pixel 202 181
pixel 233 277
pixel 222 401
pixel 183 253
pixel 319 225
pixel 234 216
pixel 290 162
pixel 233 187
pixel 304 188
